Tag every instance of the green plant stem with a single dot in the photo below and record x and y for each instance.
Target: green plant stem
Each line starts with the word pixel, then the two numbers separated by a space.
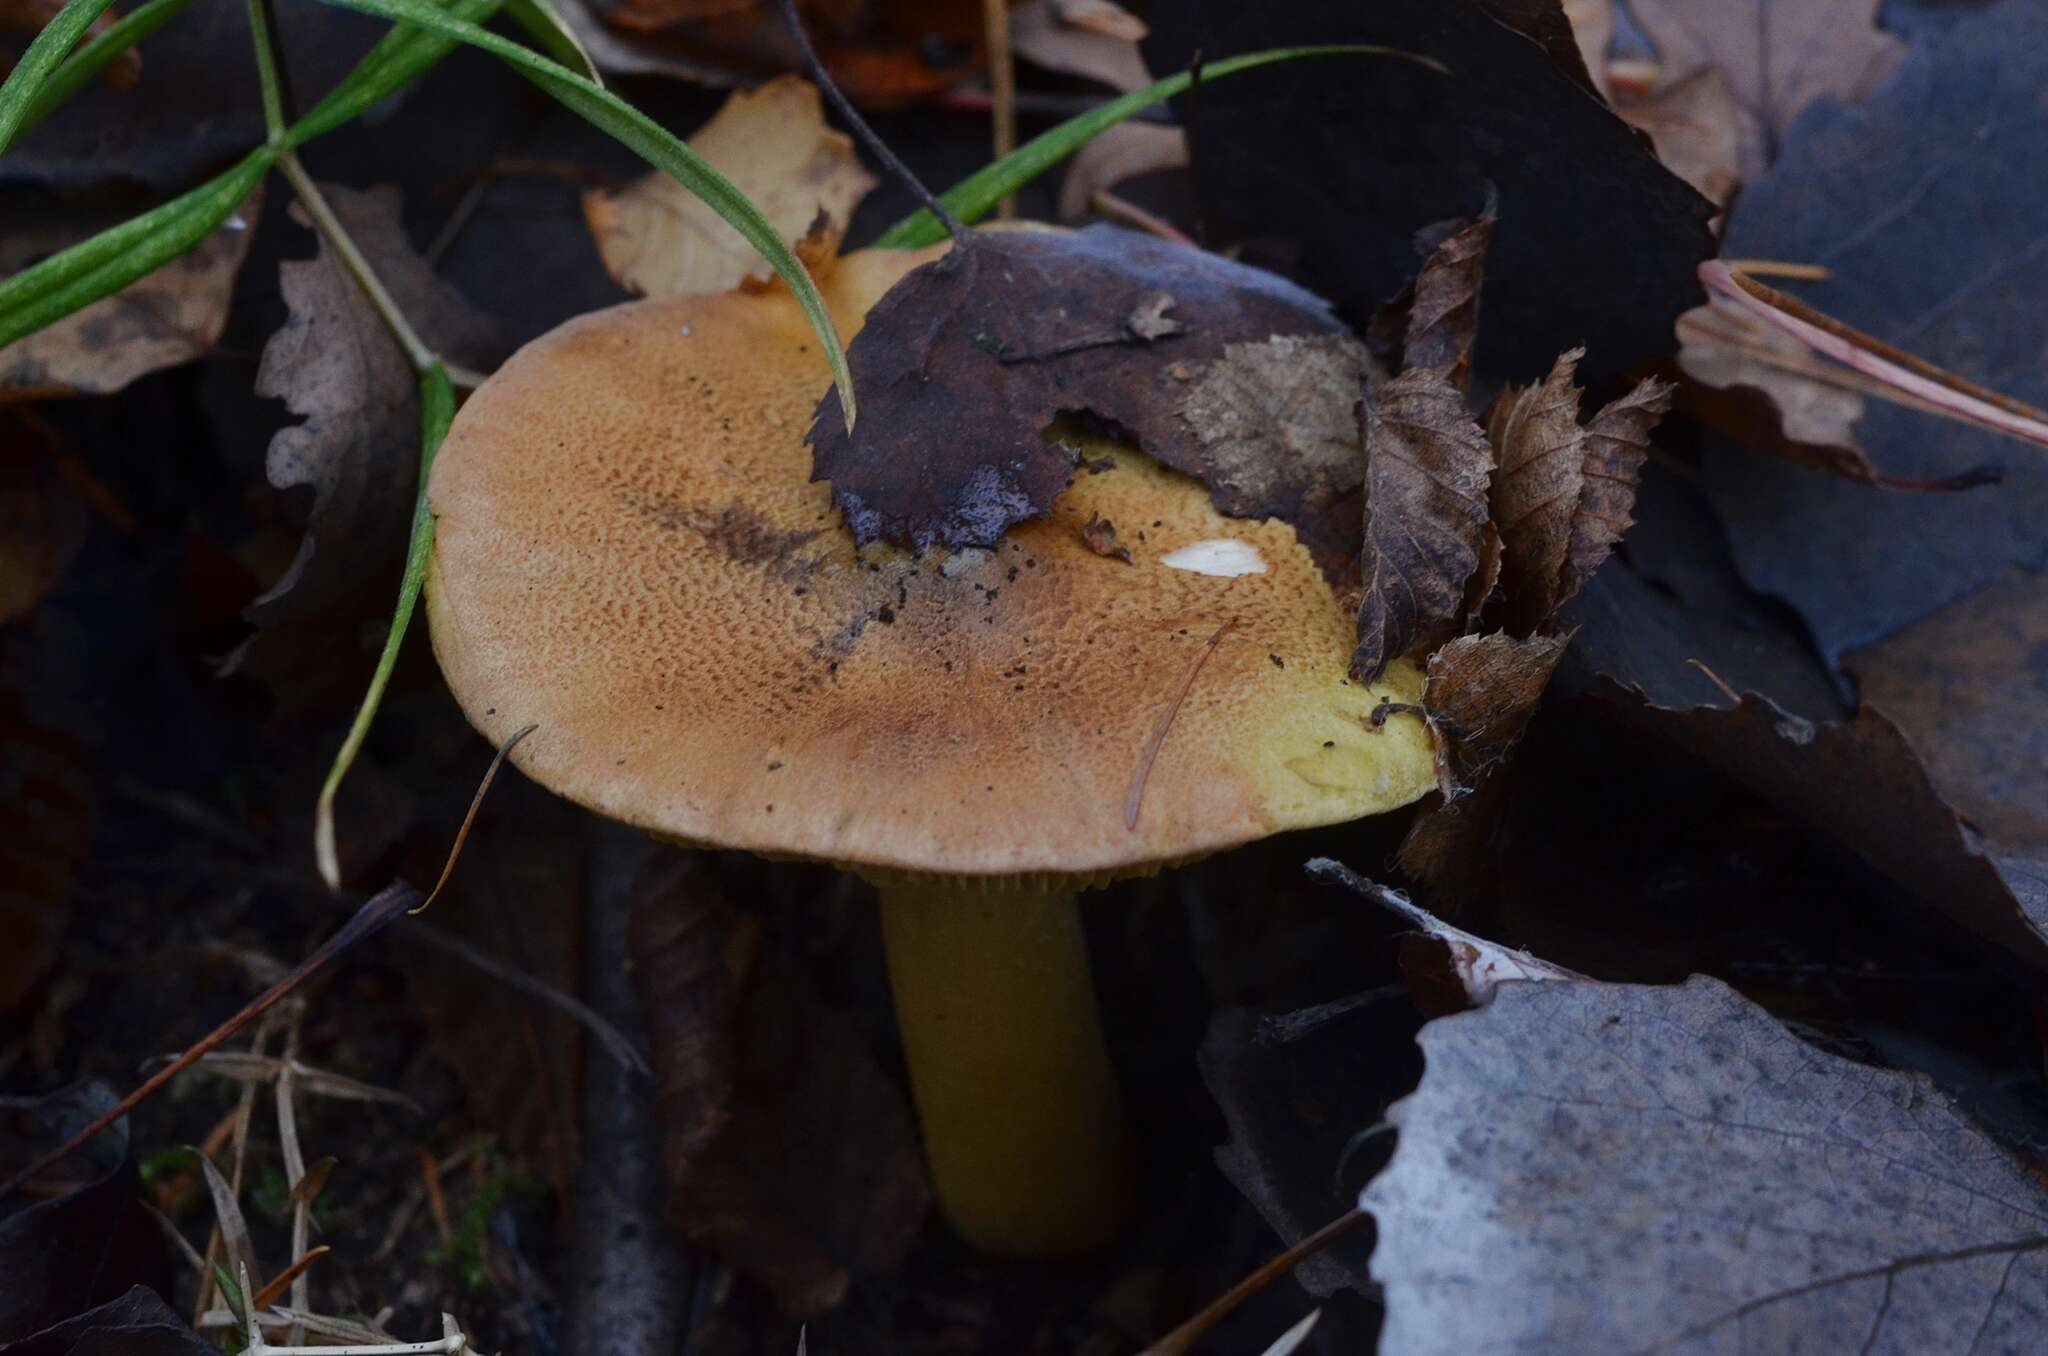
pixel 102 51
pixel 351 256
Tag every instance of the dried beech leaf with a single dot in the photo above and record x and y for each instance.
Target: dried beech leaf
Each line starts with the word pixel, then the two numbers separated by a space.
pixel 1443 305
pixel 1536 492
pixel 1427 466
pixel 1220 371
pixel 659 239
pixel 1479 697
pixel 1777 56
pixel 1617 443
pixel 173 315
pixel 358 448
pixel 1731 1187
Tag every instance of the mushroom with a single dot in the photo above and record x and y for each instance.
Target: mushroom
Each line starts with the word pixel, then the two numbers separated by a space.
pixel 632 556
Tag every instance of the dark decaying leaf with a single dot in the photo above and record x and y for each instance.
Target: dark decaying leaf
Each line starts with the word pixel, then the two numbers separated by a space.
pixel 1860 783
pixel 788 1150
pixel 1345 166
pixel 358 448
pixel 1729 1185
pixel 1536 492
pixel 1946 264
pixel 1223 372
pixel 1777 56
pixel 1435 321
pixel 1969 687
pixel 1616 444
pixel 1427 468
pixel 61 1255
pixel 171 316
pixel 136 1323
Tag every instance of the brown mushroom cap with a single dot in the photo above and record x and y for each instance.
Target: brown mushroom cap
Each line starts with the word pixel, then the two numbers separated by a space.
pixel 631 554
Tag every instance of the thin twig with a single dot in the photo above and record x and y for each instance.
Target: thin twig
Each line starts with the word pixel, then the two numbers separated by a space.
pixel 1002 80
pixel 1157 738
pixel 876 147
pixel 1182 1339
pixel 351 256
pixel 1127 213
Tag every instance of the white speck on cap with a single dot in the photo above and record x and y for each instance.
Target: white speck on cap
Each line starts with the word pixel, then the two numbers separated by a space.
pixel 1225 557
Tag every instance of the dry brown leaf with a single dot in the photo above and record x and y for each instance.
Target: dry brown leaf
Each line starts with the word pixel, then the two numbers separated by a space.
pixel 1100 536
pixel 1427 468
pixel 171 316
pixel 1093 39
pixel 1778 56
pixel 1124 151
pixel 1478 700
pixel 1536 492
pixel 1443 304
pixel 358 449
pixel 1617 443
pixel 1696 124
pixel 659 239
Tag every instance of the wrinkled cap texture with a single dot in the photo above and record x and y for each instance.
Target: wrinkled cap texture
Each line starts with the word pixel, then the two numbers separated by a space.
pixel 632 556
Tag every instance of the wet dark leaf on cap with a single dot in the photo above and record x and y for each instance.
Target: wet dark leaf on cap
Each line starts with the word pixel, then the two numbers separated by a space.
pixel 1947 264
pixel 137 1323
pixel 1730 1185
pixel 65 1253
pixel 1340 170
pixel 1223 372
pixel 1427 466
pixel 1436 319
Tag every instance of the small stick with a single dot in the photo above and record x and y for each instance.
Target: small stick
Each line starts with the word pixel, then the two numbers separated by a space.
pixel 878 148
pixel 1158 735
pixel 1127 213
pixel 1002 80
pixel 1182 1339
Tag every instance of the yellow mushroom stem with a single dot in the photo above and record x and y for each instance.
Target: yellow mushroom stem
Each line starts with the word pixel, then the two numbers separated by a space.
pixel 1023 1126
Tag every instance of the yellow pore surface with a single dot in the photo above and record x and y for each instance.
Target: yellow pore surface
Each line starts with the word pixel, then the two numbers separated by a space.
pixel 631 555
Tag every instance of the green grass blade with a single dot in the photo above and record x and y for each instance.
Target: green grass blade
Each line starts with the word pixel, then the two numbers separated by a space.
pixel 546 26
pixel 88 61
pixel 403 55
pixel 41 59
pixel 437 411
pixel 101 266
pixel 638 132
pixel 977 195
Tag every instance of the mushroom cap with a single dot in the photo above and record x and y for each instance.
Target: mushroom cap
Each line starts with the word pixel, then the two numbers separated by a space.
pixel 631 555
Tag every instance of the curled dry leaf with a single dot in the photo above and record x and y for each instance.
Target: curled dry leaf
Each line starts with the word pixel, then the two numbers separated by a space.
pixel 1100 534
pixel 1219 371
pixel 1481 967
pixel 1427 467
pixel 334 363
pixel 1616 443
pixel 1777 56
pixel 659 239
pixel 1437 316
pixel 1122 152
pixel 170 316
pixel 1731 1186
pixel 1095 39
pixel 1478 700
